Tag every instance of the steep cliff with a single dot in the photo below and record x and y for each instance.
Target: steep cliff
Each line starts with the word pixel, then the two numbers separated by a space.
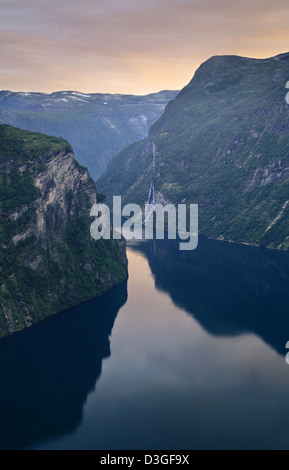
pixel 48 261
pixel 223 143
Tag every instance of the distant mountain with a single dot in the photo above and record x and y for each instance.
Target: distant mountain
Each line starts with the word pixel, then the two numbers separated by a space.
pixel 223 143
pixel 97 125
pixel 48 260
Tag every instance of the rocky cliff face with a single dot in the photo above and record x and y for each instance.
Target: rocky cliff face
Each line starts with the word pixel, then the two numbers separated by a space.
pixel 48 260
pixel 223 143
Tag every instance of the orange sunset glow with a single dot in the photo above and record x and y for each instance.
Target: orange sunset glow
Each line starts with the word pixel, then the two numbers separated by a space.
pixel 130 46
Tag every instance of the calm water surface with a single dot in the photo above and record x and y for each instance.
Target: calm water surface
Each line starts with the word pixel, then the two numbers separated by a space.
pixel 189 353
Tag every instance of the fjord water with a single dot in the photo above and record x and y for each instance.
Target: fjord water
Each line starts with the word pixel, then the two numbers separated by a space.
pixel 188 354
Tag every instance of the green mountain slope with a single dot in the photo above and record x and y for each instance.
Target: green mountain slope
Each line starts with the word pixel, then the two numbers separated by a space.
pixel 48 261
pixel 97 125
pixel 223 143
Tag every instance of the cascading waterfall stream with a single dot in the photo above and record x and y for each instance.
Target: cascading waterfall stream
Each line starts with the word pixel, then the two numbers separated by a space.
pixel 151 202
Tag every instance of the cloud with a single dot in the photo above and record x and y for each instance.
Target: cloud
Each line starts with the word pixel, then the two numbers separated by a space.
pixel 130 46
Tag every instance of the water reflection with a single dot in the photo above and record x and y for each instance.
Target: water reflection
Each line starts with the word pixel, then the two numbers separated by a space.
pixel 48 370
pixel 168 383
pixel 230 289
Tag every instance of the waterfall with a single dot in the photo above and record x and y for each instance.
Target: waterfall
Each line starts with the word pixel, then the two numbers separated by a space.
pixel 151 196
pixel 150 201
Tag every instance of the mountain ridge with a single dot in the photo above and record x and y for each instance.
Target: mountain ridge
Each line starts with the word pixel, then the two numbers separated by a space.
pixel 97 125
pixel 223 143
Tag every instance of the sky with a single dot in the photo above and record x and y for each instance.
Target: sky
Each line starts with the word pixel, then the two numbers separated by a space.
pixel 130 46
